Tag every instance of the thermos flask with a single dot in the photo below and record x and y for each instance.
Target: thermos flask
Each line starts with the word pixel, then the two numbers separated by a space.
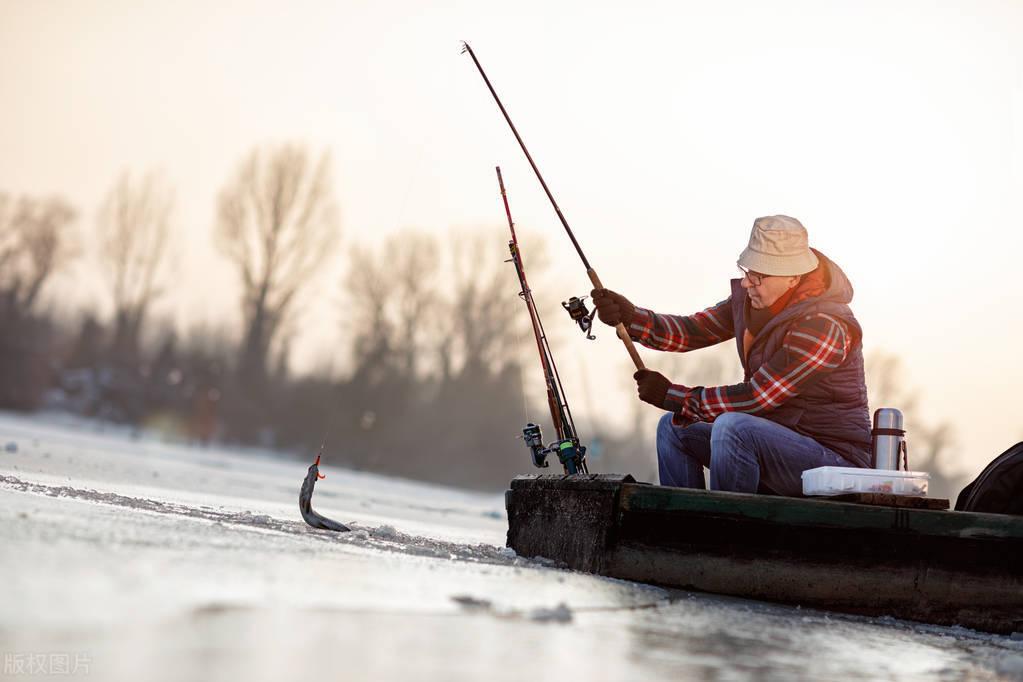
pixel 889 439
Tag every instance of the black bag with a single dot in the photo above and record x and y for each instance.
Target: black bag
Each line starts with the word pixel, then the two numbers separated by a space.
pixel 999 488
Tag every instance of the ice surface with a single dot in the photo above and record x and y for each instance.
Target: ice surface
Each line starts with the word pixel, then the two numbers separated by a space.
pixel 165 562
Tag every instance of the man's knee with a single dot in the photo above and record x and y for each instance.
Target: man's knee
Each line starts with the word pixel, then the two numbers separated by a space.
pixel 732 440
pixel 732 424
pixel 666 441
pixel 664 426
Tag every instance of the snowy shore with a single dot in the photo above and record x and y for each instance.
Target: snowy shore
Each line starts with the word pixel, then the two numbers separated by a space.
pixel 128 558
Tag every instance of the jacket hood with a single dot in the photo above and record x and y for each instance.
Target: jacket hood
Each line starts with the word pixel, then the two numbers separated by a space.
pixel 839 288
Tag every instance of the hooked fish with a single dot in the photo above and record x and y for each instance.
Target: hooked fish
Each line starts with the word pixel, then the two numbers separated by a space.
pixel 305 501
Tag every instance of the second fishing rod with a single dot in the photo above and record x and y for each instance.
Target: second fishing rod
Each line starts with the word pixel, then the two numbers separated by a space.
pixel 570 452
pixel 574 306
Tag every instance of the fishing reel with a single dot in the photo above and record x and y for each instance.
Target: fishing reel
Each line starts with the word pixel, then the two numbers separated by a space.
pixel 577 311
pixel 570 453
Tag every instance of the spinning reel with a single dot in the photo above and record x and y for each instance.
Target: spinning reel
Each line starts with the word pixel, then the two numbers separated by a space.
pixel 577 311
pixel 569 451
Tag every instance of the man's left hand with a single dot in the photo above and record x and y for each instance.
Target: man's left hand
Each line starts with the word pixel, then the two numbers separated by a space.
pixel 653 387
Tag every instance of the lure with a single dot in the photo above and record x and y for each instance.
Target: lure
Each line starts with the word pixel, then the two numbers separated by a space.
pixel 305 500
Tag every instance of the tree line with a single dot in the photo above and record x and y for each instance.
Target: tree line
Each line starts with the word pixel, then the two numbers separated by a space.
pixel 431 328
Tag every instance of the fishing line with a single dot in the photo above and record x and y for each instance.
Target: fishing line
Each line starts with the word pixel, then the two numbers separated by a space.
pixel 413 177
pixel 574 305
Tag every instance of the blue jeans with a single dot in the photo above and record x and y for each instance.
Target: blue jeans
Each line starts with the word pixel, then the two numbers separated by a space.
pixel 744 453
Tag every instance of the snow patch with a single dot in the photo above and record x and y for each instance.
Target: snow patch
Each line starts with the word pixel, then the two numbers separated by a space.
pixel 559 614
pixel 385 537
pixel 1010 665
pixel 470 603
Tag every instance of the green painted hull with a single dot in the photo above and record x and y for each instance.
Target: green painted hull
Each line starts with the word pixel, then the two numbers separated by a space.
pixel 933 566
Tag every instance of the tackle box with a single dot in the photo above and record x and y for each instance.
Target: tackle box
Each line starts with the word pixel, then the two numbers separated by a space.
pixel 845 480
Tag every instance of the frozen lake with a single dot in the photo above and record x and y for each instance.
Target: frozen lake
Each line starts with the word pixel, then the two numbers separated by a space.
pixel 128 559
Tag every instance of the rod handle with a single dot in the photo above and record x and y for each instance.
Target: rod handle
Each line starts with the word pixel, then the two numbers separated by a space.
pixel 623 333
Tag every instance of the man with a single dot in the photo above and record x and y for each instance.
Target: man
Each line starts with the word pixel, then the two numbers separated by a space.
pixel 802 403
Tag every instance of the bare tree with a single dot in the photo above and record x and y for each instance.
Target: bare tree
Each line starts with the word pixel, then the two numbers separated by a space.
pixel 35 242
pixel 370 293
pixel 276 222
pixel 8 235
pixel 886 384
pixel 134 225
pixel 393 297
pixel 930 444
pixel 415 260
pixel 406 311
pixel 482 320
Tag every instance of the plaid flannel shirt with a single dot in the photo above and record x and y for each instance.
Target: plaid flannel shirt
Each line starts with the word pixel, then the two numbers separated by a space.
pixel 813 345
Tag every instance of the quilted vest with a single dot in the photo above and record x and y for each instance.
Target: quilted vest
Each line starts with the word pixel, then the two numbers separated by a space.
pixel 832 409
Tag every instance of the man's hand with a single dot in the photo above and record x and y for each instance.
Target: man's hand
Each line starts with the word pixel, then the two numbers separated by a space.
pixel 653 387
pixel 612 308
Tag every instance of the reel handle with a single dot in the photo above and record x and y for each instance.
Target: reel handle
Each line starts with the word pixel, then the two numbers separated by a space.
pixel 623 333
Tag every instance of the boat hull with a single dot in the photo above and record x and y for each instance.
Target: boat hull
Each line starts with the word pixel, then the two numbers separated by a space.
pixel 921 564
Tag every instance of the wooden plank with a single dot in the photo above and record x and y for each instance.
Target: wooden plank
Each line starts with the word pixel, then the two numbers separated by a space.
pixel 570 519
pixel 917 591
pixel 748 537
pixel 573 482
pixel 803 511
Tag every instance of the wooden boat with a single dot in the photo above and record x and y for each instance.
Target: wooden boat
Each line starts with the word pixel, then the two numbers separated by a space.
pixel 929 565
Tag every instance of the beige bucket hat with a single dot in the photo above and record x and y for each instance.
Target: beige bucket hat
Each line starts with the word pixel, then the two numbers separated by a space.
pixel 778 245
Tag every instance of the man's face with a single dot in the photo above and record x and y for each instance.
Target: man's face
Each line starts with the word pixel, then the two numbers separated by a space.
pixel 770 289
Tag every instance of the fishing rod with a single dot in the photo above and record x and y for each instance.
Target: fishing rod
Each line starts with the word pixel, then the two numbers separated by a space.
pixel 575 305
pixel 567 447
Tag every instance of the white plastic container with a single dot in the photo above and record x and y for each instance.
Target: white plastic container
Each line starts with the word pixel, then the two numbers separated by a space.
pixel 845 480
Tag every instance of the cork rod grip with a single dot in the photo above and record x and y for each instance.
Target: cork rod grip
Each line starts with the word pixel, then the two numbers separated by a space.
pixel 623 333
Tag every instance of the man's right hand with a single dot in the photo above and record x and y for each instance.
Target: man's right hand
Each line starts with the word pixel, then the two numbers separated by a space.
pixel 612 308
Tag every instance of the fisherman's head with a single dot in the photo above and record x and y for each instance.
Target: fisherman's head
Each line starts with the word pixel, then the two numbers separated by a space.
pixel 775 260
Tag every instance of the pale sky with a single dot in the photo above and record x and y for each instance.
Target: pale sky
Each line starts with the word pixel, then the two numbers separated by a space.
pixel 892 130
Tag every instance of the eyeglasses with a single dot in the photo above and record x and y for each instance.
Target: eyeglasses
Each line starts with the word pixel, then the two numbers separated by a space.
pixel 755 278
